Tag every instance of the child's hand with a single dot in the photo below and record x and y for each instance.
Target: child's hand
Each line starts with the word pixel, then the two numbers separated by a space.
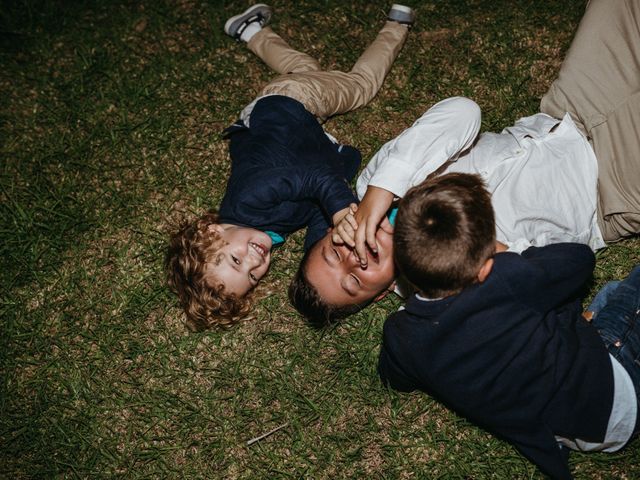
pixel 369 216
pixel 345 228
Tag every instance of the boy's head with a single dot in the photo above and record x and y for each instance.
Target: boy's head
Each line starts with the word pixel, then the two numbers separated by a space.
pixel 212 267
pixel 331 284
pixel 445 233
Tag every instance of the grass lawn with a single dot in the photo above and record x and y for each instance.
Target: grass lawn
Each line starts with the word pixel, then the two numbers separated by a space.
pixel 110 115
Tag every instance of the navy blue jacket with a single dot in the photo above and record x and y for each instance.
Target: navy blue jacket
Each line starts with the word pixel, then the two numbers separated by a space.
pixel 512 354
pixel 285 172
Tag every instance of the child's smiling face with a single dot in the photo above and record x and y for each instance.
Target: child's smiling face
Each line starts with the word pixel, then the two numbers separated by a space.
pixel 242 261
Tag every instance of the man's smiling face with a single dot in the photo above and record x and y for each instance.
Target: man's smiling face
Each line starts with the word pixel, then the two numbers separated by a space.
pixel 335 272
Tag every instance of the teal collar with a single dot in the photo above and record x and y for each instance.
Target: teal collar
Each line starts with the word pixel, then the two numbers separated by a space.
pixel 276 238
pixel 391 215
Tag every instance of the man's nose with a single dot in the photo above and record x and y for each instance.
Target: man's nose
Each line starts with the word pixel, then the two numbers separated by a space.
pixel 352 258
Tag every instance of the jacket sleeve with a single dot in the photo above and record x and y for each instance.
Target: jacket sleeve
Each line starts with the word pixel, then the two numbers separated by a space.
pixel 321 185
pixel 316 229
pixel 329 189
pixel 351 160
pixel 560 271
pixel 537 443
pixel 440 135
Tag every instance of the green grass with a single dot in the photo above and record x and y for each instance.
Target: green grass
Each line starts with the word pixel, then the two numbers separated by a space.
pixel 110 115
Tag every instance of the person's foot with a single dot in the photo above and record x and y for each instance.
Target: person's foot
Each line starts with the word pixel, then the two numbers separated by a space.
pixel 237 24
pixel 402 14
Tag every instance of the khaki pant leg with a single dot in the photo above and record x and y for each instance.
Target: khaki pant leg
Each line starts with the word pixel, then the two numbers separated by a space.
pixel 361 84
pixel 278 55
pixel 599 85
pixel 330 93
pixel 617 141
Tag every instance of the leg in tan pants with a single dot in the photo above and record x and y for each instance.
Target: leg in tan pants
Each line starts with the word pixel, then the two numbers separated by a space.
pixel 278 55
pixel 328 93
pixel 599 85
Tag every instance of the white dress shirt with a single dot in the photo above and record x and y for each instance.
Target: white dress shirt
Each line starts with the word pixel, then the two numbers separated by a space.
pixel 541 172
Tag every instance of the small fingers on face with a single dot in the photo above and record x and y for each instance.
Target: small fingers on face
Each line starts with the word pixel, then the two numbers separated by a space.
pixel 344 233
pixel 351 220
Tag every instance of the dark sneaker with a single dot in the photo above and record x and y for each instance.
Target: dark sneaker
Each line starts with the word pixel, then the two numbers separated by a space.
pixel 257 13
pixel 402 14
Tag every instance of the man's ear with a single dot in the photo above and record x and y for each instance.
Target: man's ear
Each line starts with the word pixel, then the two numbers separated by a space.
pixel 385 292
pixel 485 270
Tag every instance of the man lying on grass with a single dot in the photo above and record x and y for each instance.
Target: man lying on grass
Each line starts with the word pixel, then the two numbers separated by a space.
pixel 286 173
pixel 569 174
pixel 500 337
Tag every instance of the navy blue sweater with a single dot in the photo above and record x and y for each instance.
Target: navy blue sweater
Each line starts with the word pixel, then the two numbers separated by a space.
pixel 512 354
pixel 285 172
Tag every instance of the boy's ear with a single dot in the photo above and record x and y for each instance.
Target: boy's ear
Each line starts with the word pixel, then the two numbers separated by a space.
pixel 485 270
pixel 215 227
pixel 385 292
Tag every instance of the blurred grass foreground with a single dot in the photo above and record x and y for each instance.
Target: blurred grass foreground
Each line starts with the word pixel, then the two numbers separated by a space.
pixel 110 115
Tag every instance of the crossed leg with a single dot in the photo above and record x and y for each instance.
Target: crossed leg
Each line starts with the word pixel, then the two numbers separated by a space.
pixel 328 93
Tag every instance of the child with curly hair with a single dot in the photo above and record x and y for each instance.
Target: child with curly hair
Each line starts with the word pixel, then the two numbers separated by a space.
pixel 286 172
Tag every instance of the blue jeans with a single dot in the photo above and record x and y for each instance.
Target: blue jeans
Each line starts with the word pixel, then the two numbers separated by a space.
pixel 602 297
pixel 618 323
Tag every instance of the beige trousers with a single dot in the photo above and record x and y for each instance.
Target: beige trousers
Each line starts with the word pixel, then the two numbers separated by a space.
pixel 599 85
pixel 328 93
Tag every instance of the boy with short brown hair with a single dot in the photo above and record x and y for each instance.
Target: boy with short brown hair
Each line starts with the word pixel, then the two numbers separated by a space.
pixel 445 233
pixel 501 339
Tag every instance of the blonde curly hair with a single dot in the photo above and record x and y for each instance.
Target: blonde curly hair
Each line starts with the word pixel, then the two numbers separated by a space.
pixel 206 306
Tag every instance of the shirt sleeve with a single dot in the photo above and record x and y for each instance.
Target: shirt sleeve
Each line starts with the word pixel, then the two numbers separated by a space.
pixel 440 135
